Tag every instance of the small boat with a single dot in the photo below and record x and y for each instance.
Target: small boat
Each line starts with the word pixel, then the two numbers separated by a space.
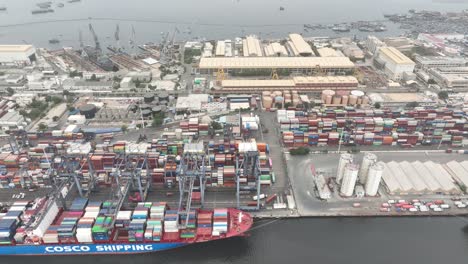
pixel 281 8
pixel 42 11
pixel 60 5
pixel 73 1
pixel 3 8
pixel 341 28
pixel 54 41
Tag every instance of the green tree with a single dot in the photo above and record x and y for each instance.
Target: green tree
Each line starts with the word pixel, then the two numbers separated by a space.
pixel 287 105
pixel 10 91
pixel 137 83
pixel 216 126
pixel 124 128
pixel 71 108
pixel 93 77
pixel 431 81
pixel 42 127
pixel 66 92
pixel 56 100
pixel 463 188
pixel 299 151
pixel 412 104
pixel 55 118
pixel 377 105
pixel 443 95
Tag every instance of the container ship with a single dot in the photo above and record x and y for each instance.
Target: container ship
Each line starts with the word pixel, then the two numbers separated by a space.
pixel 44 227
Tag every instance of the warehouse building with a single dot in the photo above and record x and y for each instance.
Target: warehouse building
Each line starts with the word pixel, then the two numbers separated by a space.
pixel 298 46
pixel 275 49
pixel 17 54
pixel 328 52
pixel 301 84
pixel 395 62
pixel 373 44
pixel 252 47
pixel 418 178
pixel 303 65
pixel 450 77
pixel 440 61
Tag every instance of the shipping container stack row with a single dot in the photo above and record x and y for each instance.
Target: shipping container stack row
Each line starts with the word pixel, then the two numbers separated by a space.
pixel 376 131
pixel 193 125
pixel 11 221
pixel 220 221
pixel 349 112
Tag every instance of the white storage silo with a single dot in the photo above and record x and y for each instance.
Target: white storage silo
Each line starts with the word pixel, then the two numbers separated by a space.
pixel 336 100
pixel 345 159
pixel 352 100
pixel 368 160
pixel 344 100
pixel 373 179
pixel 326 93
pixel 349 179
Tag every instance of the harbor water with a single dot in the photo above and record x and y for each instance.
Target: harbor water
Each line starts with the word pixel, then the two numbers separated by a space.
pixel 320 240
pixel 211 19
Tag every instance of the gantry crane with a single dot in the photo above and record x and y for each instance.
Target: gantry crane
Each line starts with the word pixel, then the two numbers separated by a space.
pixel 247 165
pixel 191 172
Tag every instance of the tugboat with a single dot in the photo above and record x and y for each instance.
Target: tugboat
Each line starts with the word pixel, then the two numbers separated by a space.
pixel 341 28
pixel 60 5
pixel 54 41
pixel 3 8
pixel 281 8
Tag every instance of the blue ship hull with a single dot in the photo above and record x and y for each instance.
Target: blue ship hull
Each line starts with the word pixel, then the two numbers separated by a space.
pixel 87 249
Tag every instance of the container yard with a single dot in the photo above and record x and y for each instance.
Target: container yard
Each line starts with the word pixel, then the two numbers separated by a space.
pixel 353 127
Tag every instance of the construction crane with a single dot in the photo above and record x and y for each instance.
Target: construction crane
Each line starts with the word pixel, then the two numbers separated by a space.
pixel 191 172
pixel 80 37
pixel 220 75
pixel 17 140
pixel 116 36
pixel 132 37
pixel 96 40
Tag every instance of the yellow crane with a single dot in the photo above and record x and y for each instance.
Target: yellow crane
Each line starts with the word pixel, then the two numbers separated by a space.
pixel 220 75
pixel 274 74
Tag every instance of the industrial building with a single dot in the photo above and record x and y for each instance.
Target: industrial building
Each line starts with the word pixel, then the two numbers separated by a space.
pixel 191 103
pixel 296 83
pixel 12 120
pixel 373 44
pixel 328 52
pixel 275 49
pixel 17 54
pixel 418 178
pixel 450 77
pixel 298 46
pixel 220 48
pixel 305 65
pixel 440 61
pixel 322 187
pixel 459 171
pixel 252 47
pixel 395 62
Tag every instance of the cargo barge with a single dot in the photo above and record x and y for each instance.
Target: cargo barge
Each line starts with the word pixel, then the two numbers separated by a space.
pixel 42 227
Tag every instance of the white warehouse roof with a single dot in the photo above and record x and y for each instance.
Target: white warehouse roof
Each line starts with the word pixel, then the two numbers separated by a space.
pixel 442 176
pixel 300 44
pixel 276 62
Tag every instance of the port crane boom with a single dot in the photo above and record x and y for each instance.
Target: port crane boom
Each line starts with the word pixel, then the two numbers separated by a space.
pixel 96 40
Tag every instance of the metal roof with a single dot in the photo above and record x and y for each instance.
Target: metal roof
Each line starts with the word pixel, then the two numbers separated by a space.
pixel 15 48
pixel 275 62
pixel 289 82
pixel 327 52
pixel 300 44
pixel 395 55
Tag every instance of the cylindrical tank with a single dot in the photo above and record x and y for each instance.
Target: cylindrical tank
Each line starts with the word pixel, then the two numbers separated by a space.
pixel 88 110
pixel 368 160
pixel 345 158
pixel 326 93
pixel 349 179
pixel 328 99
pixel 287 96
pixel 163 96
pixel 266 93
pixel 344 100
pixel 294 92
pixel 336 100
pixel 145 106
pixel 373 179
pixel 357 93
pixel 359 101
pixel 163 102
pixel 146 113
pixel 342 92
pixel 279 99
pixel 286 101
pixel 148 98
pixel 267 101
pixel 365 100
pixel 278 93
pixel 156 109
pixel 352 100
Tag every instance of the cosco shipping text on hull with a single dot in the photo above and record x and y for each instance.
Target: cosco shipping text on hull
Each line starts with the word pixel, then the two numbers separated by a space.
pixel 87 249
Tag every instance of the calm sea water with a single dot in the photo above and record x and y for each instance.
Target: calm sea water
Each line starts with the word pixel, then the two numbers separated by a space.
pixel 204 18
pixel 327 240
